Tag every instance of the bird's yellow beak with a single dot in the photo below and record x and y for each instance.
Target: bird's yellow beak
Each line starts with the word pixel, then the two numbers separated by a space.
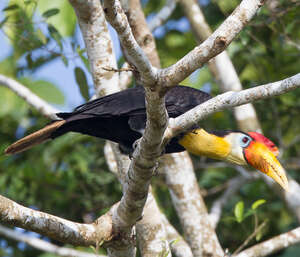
pixel 263 159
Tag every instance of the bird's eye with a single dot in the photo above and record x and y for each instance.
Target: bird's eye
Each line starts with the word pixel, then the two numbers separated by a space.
pixel 245 140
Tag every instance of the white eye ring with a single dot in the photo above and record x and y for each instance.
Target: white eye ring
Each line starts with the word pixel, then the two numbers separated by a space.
pixel 245 141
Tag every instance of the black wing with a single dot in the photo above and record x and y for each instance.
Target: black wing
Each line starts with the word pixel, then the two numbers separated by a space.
pixel 117 104
pixel 121 117
pixel 131 102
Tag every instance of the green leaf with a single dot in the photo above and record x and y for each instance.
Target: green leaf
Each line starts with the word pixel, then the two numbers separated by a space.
pixel 66 13
pixel 40 35
pixel 259 235
pixel 248 213
pixel 239 211
pixel 45 90
pixel 20 28
pixel 257 203
pixel 3 22
pixel 56 35
pixel 65 60
pixel 82 82
pixel 83 58
pixel 8 66
pixel 29 60
pixel 11 7
pixel 11 105
pixel 50 12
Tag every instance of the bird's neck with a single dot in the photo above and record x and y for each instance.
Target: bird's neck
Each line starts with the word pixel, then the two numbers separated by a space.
pixel 200 142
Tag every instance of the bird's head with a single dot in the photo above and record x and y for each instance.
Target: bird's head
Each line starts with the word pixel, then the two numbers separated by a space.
pixel 240 148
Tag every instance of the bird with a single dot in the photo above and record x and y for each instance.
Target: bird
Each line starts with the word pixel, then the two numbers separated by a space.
pixel 121 118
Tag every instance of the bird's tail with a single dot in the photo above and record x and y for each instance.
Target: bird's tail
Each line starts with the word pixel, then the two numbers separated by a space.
pixel 35 138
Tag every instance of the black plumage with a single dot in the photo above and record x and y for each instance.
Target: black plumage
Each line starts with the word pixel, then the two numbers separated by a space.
pixel 119 117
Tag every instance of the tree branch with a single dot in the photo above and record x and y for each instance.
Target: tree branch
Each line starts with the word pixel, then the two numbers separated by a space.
pixel 117 18
pixel 98 44
pixel 42 106
pixel 178 245
pixel 43 245
pixel 140 30
pixel 272 245
pixel 55 227
pixel 232 187
pixel 247 241
pixel 162 15
pixel 190 206
pixel 149 148
pixel 151 231
pixel 99 47
pixel 231 99
pixel 221 67
pixel 212 46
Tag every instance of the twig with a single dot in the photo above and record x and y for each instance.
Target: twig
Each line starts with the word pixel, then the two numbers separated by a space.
pixel 212 46
pixel 272 245
pixel 246 242
pixel 162 15
pixel 118 70
pixel 233 186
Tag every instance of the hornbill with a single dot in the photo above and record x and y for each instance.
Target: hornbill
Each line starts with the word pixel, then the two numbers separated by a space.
pixel 121 117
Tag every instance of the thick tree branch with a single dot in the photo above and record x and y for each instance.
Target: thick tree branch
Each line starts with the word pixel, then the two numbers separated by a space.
pixel 178 245
pixel 43 245
pixel 173 163
pixel 231 99
pixel 221 67
pixel 55 227
pixel 190 206
pixel 140 30
pixel 212 46
pixel 100 51
pixel 98 45
pixel 150 230
pixel 272 245
pixel 117 18
pixel 42 106
pixel 149 149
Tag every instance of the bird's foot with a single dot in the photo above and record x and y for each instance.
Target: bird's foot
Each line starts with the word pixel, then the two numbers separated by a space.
pixel 135 144
pixel 155 169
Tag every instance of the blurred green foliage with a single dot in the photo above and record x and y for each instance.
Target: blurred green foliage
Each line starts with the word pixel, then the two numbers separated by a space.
pixel 69 177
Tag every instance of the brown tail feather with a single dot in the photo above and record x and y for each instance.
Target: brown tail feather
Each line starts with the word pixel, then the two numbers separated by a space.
pixel 35 138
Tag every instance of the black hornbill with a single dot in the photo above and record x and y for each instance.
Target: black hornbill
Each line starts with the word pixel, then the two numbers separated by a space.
pixel 121 117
